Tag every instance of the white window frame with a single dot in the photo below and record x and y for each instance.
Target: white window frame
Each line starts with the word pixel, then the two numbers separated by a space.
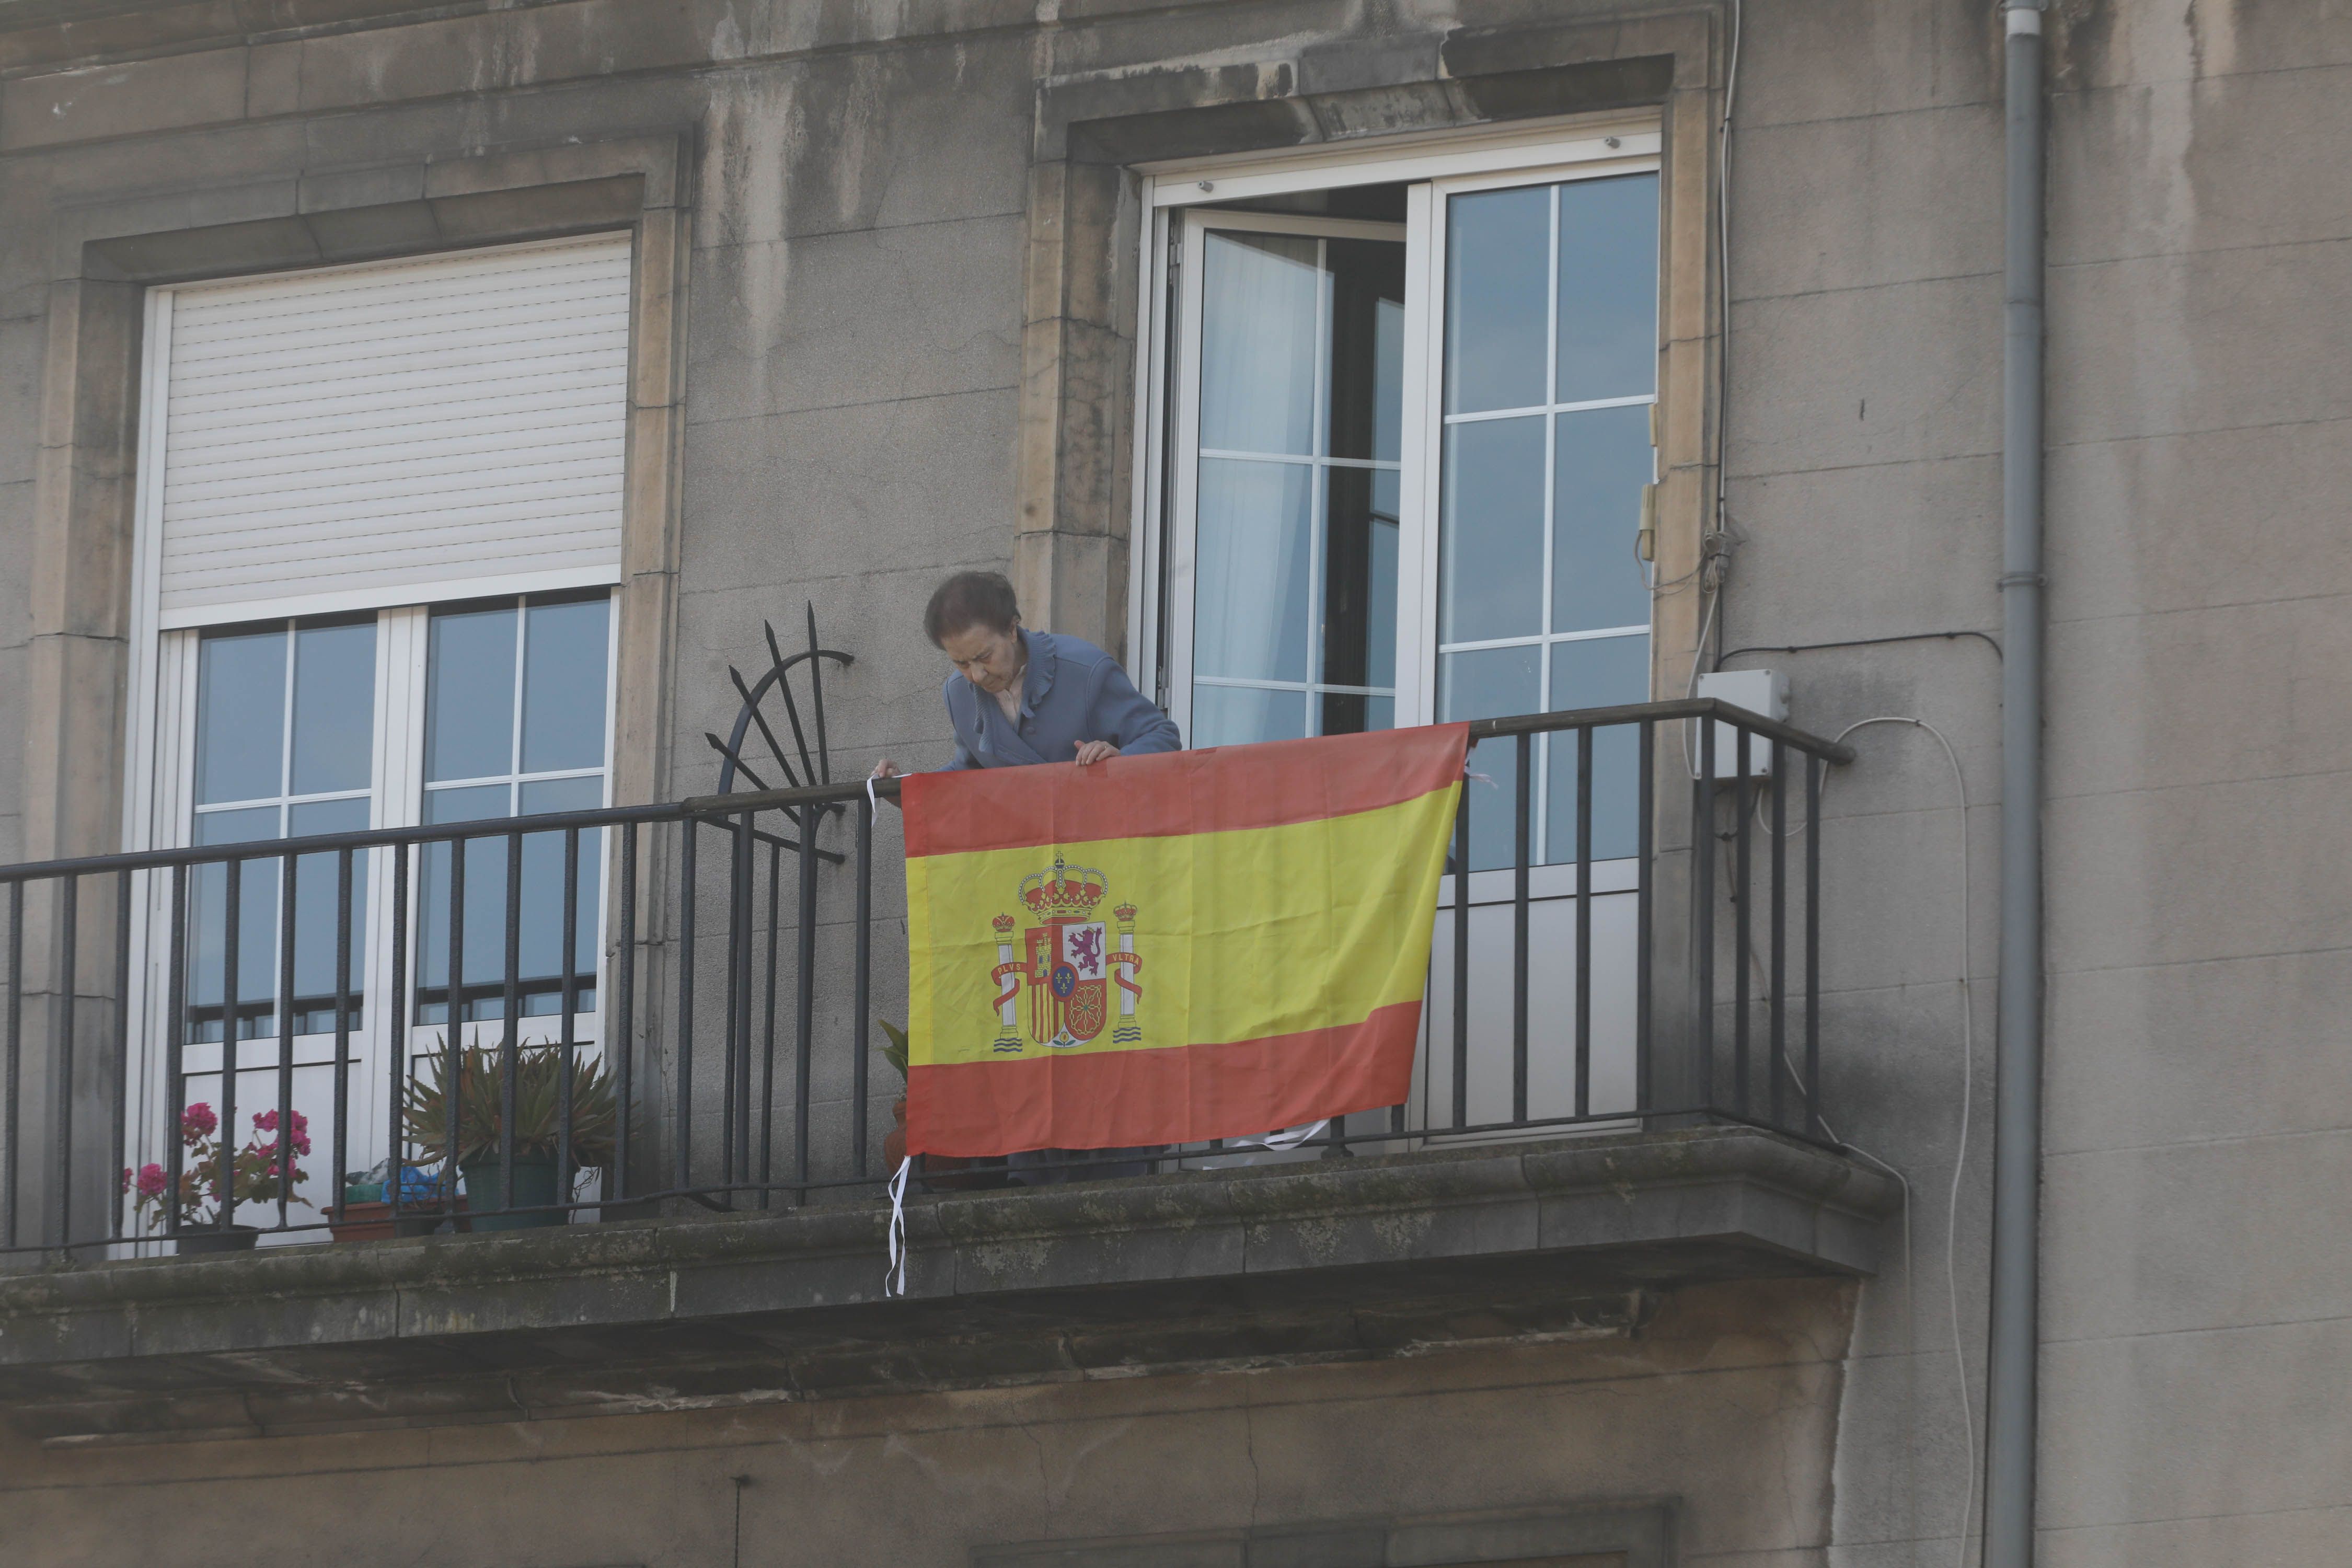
pixel 160 791
pixel 1434 169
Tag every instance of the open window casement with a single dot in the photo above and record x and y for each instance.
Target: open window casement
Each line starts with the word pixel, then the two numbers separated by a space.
pixel 1396 415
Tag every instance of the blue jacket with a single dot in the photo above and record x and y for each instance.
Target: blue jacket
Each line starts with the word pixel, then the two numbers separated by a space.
pixel 1072 692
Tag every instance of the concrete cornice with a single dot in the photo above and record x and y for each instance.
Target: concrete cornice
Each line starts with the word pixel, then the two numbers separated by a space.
pixel 1345 1258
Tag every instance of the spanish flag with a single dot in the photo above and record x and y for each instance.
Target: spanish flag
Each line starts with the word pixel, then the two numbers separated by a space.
pixel 1171 949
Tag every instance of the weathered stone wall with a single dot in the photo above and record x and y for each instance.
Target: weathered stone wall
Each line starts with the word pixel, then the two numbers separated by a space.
pixel 1722 1406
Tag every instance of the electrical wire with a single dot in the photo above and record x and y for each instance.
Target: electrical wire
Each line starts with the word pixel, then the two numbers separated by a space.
pixel 1968 1103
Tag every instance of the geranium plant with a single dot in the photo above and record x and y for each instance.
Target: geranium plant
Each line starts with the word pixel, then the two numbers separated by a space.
pixel 257 1174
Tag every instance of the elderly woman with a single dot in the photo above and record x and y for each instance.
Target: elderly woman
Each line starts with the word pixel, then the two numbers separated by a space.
pixel 1019 698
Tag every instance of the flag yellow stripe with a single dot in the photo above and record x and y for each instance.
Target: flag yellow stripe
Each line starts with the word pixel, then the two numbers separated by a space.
pixel 1243 934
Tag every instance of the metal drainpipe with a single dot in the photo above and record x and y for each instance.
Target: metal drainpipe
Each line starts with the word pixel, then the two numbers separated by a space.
pixel 2015 1333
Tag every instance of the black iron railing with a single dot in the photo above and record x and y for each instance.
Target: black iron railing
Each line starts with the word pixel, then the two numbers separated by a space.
pixel 698 1027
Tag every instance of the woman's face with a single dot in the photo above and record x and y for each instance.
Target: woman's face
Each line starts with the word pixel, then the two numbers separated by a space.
pixel 989 658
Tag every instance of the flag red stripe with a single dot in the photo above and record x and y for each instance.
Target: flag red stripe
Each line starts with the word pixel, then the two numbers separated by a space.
pixel 1177 1094
pixel 1219 790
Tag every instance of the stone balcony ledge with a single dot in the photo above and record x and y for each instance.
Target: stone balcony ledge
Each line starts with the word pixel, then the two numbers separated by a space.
pixel 1328 1259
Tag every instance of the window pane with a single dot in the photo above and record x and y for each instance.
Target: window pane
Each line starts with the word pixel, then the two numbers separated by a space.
pixel 334 707
pixel 314 912
pixel 472 804
pixel 469 695
pixel 1237 715
pixel 240 716
pixel 1491 525
pixel 1360 557
pixel 1608 288
pixel 1498 258
pixel 1258 324
pixel 1367 347
pixel 1250 615
pixel 1598 672
pixel 1600 460
pixel 256 927
pixel 542 894
pixel 563 685
pixel 1491 683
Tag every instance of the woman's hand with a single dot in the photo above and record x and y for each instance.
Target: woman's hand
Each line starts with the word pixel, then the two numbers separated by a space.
pixel 1096 752
pixel 884 769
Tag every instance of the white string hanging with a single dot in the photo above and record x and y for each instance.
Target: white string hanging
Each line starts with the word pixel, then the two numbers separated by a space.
pixel 893 1279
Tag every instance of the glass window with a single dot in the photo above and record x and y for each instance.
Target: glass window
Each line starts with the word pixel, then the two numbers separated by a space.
pixel 285 737
pixel 1296 506
pixel 515 726
pixel 1550 367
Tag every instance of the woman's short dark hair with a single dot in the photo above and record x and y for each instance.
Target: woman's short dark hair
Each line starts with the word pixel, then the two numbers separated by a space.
pixel 970 599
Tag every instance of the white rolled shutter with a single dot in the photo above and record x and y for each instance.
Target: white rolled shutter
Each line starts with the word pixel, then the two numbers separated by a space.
pixel 368 435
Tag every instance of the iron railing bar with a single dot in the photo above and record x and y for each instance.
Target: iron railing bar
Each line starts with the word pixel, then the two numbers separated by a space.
pixel 286 934
pixel 805 1019
pixel 15 1058
pixel 395 1128
pixel 1462 960
pixel 1742 947
pixel 1644 877
pixel 1777 1019
pixel 729 1037
pixel 567 1027
pixel 232 1059
pixel 68 956
pixel 1703 914
pixel 685 1053
pixel 453 1027
pixel 1523 828
pixel 768 1021
pixel 175 1040
pixel 339 1131
pixel 510 1024
pixel 621 1017
pixel 1584 744
pixel 1813 1125
pixel 862 983
pixel 367 838
pixel 1664 713
pixel 120 1097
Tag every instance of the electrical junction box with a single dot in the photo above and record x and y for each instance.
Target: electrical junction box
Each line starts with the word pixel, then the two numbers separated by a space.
pixel 1764 692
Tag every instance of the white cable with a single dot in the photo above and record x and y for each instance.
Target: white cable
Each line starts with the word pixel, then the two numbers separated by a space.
pixel 1968 1099
pixel 894 1277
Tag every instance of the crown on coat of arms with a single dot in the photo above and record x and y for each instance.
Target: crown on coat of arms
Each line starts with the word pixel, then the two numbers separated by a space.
pixel 1063 891
pixel 1124 913
pixel 1003 924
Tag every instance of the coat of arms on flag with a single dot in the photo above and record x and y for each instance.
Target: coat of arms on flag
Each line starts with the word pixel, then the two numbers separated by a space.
pixel 1066 963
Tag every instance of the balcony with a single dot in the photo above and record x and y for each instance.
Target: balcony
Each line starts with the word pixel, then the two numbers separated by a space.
pixel 1618 1092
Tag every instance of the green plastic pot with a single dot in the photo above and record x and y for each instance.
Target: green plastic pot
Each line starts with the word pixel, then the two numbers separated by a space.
pixel 534 1187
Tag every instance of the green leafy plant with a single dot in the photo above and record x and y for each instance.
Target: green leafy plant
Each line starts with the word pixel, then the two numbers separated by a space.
pixel 895 1052
pixel 539 1107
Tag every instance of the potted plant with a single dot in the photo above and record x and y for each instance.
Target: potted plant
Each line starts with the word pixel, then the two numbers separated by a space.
pixel 253 1176
pixel 424 1206
pixel 936 1168
pixel 538 1122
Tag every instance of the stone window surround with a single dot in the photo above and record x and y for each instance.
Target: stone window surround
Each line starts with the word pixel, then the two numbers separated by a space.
pixel 1635 1535
pixel 1075 485
pixel 105 253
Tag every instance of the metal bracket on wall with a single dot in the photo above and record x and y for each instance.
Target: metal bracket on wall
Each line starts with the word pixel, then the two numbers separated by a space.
pixel 816 766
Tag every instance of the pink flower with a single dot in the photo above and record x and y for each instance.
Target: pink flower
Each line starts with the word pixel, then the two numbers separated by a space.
pixel 198 1121
pixel 151 1181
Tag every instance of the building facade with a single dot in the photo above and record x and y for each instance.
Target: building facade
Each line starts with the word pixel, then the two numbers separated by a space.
pixel 411 415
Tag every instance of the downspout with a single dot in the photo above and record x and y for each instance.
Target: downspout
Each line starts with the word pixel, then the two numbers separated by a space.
pixel 2010 1372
